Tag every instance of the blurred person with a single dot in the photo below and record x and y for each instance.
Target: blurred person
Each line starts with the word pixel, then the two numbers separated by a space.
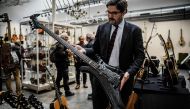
pixel 78 64
pixel 10 65
pixel 90 42
pixel 62 66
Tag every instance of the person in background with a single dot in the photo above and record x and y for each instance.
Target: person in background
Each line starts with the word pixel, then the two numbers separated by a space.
pixel 120 44
pixel 20 53
pixel 10 65
pixel 78 64
pixel 62 66
pixel 90 42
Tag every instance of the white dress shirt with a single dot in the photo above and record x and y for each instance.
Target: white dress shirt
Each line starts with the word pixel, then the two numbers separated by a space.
pixel 114 58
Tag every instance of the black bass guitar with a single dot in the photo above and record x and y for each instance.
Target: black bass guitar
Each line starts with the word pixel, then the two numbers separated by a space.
pixel 109 77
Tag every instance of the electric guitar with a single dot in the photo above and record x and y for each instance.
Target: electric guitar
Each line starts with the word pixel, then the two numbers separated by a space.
pixel 60 102
pixel 168 43
pixel 171 74
pixel 181 40
pixel 173 54
pixel 108 76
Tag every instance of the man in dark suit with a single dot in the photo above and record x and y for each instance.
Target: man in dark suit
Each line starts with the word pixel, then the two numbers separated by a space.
pixel 127 53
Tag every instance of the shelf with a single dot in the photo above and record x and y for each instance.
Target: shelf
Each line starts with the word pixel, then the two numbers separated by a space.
pixel 37 88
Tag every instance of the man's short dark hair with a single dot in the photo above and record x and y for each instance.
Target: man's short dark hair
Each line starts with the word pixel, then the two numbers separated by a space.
pixel 120 4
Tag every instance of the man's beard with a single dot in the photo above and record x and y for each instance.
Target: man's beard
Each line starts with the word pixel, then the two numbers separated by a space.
pixel 112 21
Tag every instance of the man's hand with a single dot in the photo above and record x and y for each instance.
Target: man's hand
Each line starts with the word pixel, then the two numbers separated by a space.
pixel 80 49
pixel 70 53
pixel 124 80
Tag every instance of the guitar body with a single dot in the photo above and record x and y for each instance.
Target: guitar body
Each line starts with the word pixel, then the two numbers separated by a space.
pixel 14 37
pixel 55 104
pixel 112 93
pixel 181 40
pixel 171 72
pixel 60 102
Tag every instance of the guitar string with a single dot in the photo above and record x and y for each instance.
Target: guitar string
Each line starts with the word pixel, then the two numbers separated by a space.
pixel 82 56
pixel 75 51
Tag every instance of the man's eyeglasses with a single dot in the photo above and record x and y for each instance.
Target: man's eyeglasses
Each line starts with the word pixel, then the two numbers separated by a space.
pixel 114 13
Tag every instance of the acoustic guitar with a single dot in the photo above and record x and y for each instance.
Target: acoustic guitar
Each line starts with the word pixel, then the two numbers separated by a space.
pixel 14 37
pixel 170 73
pixel 173 54
pixel 181 40
pixel 60 102
pixel 21 37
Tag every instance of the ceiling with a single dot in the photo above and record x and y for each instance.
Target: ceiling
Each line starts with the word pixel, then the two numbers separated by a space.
pixel 133 4
pixel 149 4
pixel 7 3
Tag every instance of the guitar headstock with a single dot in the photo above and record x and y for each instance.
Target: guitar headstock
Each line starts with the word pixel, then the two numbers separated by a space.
pixel 161 39
pixel 34 23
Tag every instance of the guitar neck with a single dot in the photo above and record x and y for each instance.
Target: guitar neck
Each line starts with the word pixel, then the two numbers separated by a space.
pixel 172 47
pixel 56 90
pixel 148 42
pixel 164 44
pixel 181 34
pixel 55 86
pixel 73 49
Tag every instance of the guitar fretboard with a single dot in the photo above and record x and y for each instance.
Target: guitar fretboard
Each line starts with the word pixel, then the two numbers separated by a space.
pixel 85 58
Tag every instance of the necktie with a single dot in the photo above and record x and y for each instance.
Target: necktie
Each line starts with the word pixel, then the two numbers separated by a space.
pixel 111 43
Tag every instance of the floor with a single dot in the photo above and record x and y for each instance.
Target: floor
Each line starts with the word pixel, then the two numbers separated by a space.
pixel 78 101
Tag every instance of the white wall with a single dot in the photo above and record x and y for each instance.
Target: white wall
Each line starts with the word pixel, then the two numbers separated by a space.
pixel 154 47
pixel 16 14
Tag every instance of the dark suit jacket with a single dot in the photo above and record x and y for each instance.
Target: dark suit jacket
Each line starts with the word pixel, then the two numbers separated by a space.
pixel 131 54
pixel 131 51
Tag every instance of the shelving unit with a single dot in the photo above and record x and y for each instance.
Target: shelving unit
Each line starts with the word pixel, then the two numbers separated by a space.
pixel 36 58
pixel 33 58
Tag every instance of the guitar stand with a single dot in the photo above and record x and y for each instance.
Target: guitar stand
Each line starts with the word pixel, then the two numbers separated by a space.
pixel 164 84
pixel 145 78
